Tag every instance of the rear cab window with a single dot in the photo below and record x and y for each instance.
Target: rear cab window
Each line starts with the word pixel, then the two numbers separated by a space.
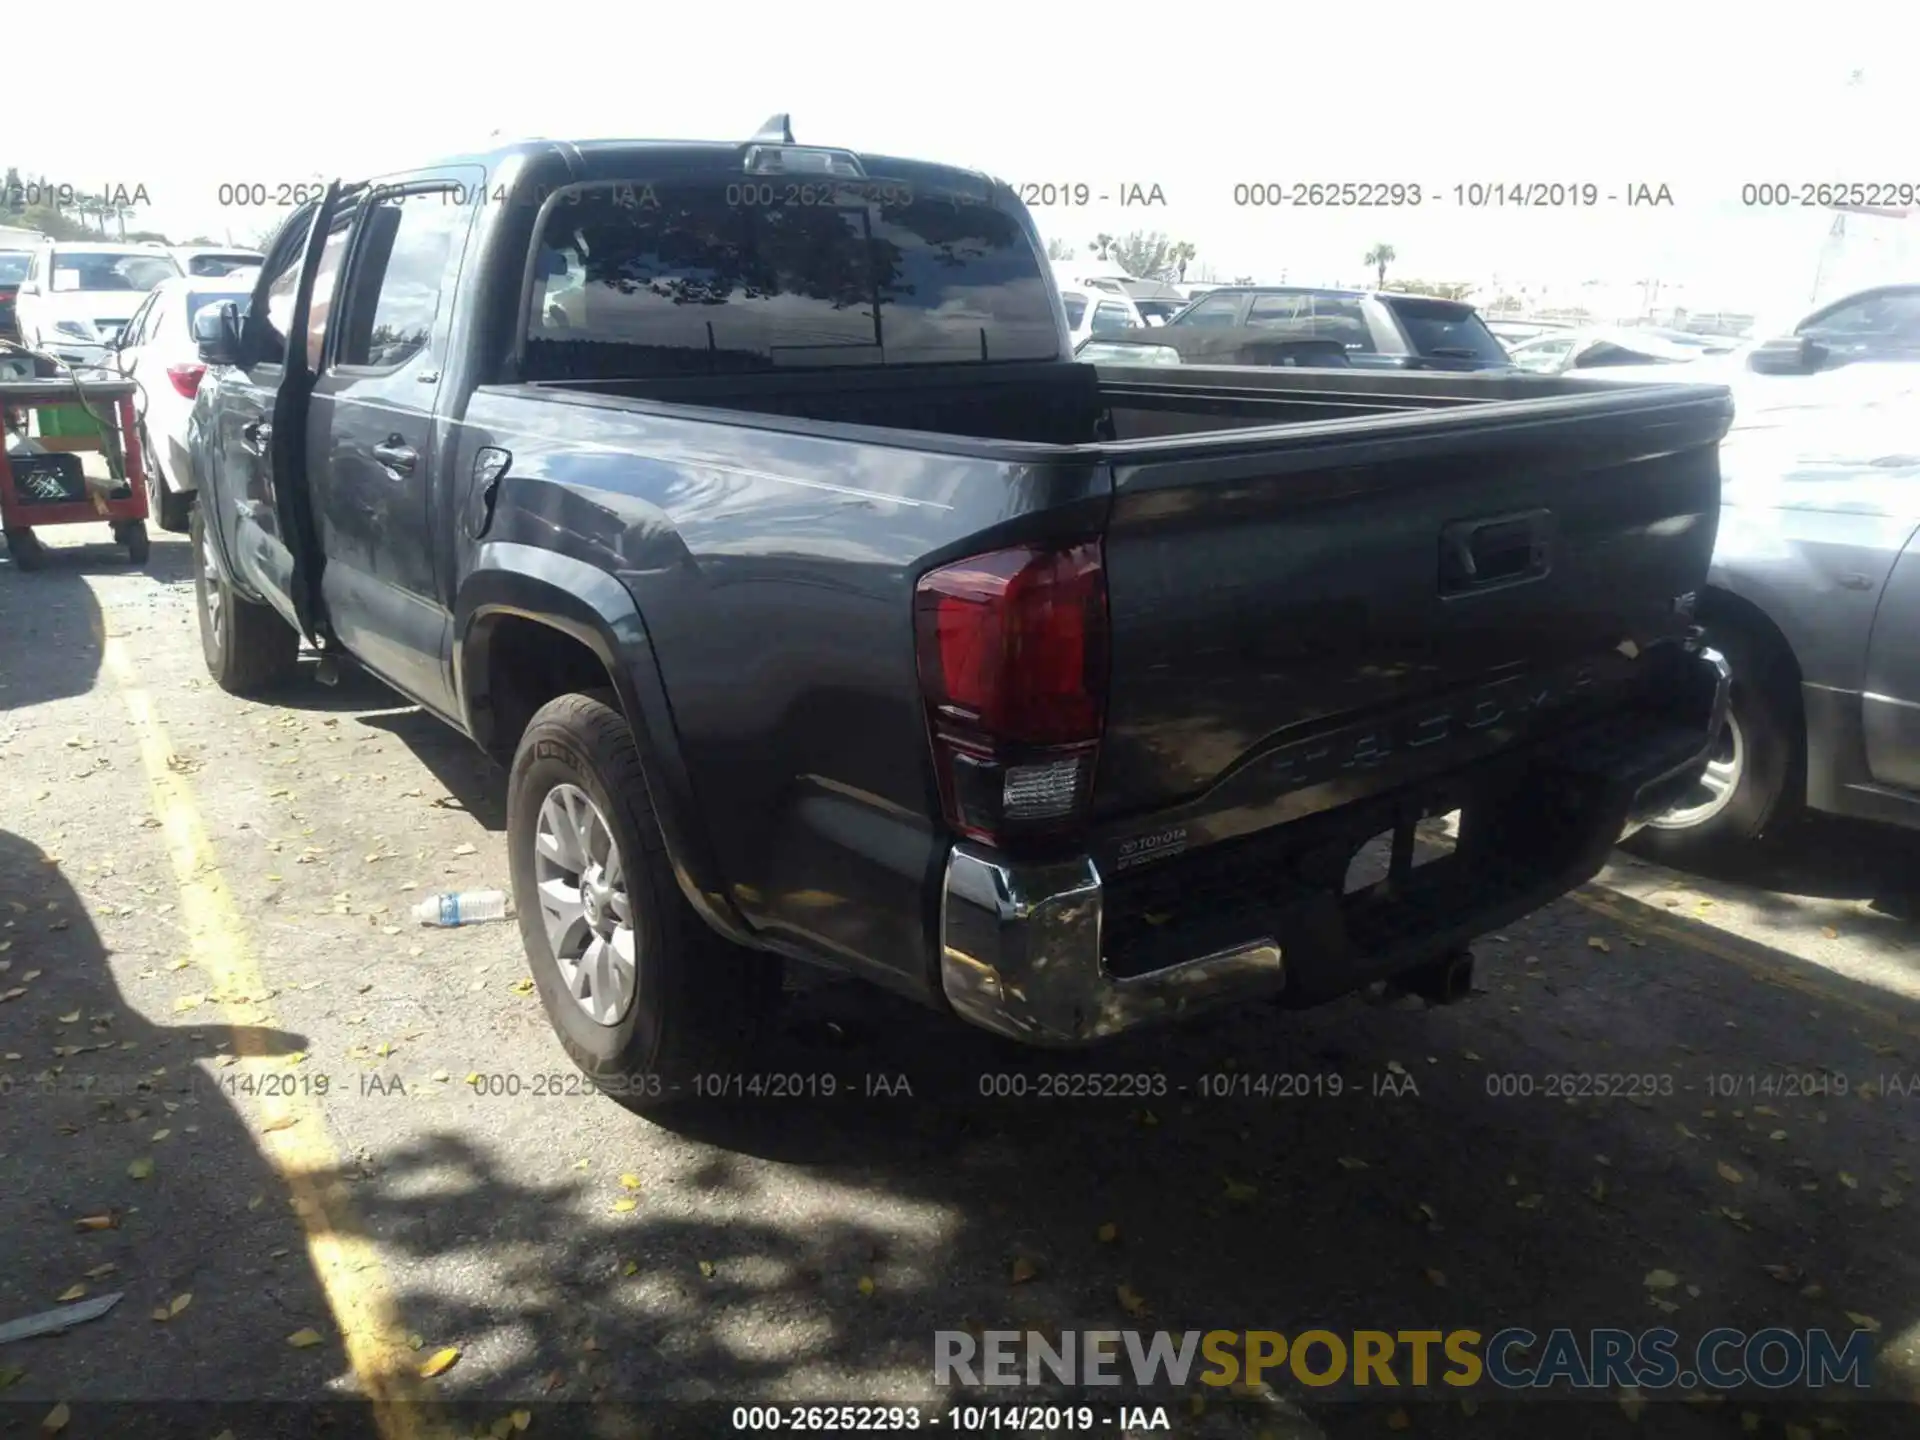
pixel 1445 328
pixel 714 271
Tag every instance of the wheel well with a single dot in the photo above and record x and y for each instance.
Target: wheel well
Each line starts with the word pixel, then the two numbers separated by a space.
pixel 1726 609
pixel 518 665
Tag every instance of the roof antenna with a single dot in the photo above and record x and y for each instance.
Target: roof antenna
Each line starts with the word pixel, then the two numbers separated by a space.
pixel 778 130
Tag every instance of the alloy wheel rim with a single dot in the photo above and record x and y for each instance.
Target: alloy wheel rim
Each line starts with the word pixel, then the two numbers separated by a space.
pixel 1713 792
pixel 584 904
pixel 210 587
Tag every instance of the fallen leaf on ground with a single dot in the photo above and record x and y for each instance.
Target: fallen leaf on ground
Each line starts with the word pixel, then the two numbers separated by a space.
pixel 1399 1420
pixel 1437 1277
pixel 706 1269
pixel 99 1270
pixel 69 1018
pixel 1349 1162
pixel 464 849
pixel 72 1292
pixel 1660 1280
pixel 1848 1181
pixel 624 1205
pixel 179 1303
pixel 96 1222
pixel 57 1418
pixel 1023 1270
pixel 1864 1322
pixel 1240 1193
pixel 1107 1233
pixel 304 1338
pixel 140 1169
pixel 1529 1202
pixel 866 1285
pixel 1829 932
pixel 1728 1173
pixel 1594 942
pixel 440 1361
pixel 1633 1403
pixel 1130 1301
pixel 280 1122
pixel 630 1182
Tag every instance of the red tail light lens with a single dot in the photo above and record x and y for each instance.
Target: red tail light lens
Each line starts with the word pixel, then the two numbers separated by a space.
pixel 186 379
pixel 1012 650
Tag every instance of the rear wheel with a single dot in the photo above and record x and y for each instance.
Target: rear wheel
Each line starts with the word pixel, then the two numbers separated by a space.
pixel 247 646
pixel 169 510
pixel 133 535
pixel 1752 786
pixel 642 994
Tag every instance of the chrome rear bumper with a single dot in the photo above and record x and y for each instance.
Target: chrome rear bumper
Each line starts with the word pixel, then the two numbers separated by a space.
pixel 1021 956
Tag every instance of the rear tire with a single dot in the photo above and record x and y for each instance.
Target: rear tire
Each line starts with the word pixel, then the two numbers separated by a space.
pixel 248 647
pixel 1755 786
pixel 133 535
pixel 649 1013
pixel 27 551
pixel 169 511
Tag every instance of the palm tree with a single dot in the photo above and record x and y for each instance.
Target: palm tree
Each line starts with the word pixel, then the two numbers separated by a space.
pixel 1380 256
pixel 1179 257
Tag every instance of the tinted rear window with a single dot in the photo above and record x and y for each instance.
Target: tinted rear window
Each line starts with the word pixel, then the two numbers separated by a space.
pixel 1437 327
pixel 693 278
pixel 1076 308
pixel 13 267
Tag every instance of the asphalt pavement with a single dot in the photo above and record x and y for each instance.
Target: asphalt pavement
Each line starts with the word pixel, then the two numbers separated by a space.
pixel 320 1151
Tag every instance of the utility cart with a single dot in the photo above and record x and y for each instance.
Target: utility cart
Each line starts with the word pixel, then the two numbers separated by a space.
pixel 43 479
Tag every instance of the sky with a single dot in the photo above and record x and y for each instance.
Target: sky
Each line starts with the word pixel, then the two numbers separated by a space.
pixel 1195 98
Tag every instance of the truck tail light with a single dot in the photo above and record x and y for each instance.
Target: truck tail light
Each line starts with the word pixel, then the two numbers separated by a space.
pixel 1012 651
pixel 186 379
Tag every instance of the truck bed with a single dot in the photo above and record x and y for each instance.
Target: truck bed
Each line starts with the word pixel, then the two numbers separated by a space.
pixel 1282 568
pixel 1079 404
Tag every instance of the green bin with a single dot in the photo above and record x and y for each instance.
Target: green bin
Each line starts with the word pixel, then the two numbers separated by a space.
pixel 70 422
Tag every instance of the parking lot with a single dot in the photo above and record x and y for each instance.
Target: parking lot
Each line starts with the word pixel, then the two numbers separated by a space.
pixel 319 1146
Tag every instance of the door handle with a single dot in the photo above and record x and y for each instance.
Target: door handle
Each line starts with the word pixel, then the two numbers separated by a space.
pixel 257 435
pixel 1494 552
pixel 396 455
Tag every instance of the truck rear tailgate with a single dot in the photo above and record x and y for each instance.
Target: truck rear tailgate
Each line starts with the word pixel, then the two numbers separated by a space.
pixel 1272 587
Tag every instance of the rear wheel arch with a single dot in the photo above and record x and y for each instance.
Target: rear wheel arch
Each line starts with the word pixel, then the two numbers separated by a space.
pixel 523 638
pixel 1727 610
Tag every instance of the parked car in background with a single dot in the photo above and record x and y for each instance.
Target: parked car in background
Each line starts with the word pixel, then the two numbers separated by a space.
pixel 1814 600
pixel 1376 329
pixel 1158 311
pixel 1516 332
pixel 1097 313
pixel 1871 325
pixel 13 269
pixel 1602 348
pixel 77 295
pixel 211 262
pixel 157 351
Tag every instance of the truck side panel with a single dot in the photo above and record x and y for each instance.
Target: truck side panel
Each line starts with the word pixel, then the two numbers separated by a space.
pixel 775 574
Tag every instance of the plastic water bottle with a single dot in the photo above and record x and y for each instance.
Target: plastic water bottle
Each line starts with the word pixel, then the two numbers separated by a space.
pixel 464 907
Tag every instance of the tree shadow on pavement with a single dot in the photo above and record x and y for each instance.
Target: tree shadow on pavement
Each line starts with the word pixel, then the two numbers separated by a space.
pixel 128 1168
pixel 1546 1155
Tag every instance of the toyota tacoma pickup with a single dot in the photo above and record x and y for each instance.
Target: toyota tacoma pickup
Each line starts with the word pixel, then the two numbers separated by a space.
pixel 744 501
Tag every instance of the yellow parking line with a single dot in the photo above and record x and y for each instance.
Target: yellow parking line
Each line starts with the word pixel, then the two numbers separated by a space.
pixel 292 1130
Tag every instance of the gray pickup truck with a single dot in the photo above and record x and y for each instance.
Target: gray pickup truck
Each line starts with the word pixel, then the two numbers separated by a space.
pixel 744 502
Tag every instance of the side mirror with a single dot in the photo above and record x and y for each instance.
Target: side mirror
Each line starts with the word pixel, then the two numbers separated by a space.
pixel 216 333
pixel 1789 355
pixel 29 287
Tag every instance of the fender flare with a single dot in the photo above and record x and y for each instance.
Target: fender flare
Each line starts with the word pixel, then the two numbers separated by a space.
pixel 594 609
